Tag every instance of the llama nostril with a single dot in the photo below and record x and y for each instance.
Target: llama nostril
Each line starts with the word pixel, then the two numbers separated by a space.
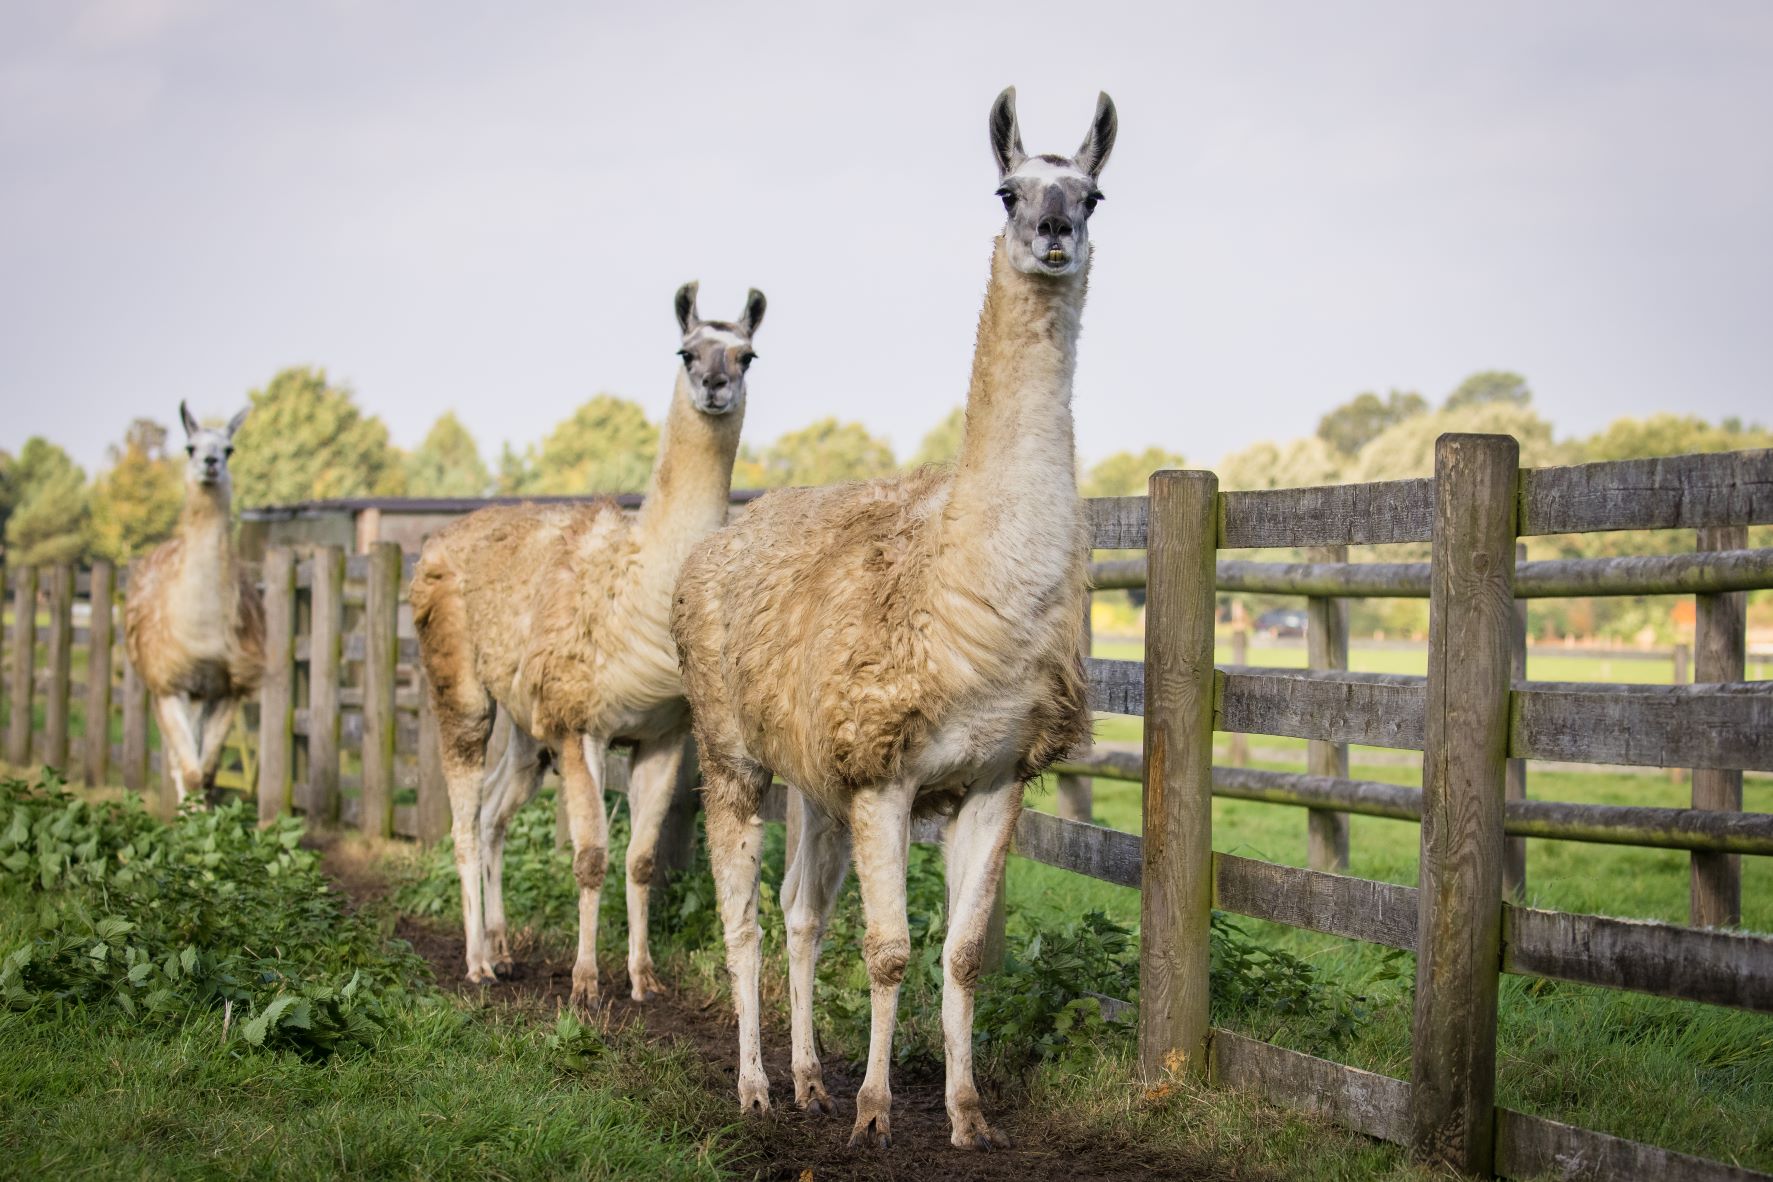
pixel 1054 227
pixel 716 382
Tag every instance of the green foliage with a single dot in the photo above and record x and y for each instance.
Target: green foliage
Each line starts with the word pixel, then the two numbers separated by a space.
pixel 153 923
pixel 942 444
pixel 1363 418
pixel 1407 449
pixel 447 463
pixel 1487 387
pixel 1126 474
pixel 1295 463
pixel 826 452
pixel 306 439
pixel 135 505
pixel 1669 435
pixel 48 521
pixel 605 446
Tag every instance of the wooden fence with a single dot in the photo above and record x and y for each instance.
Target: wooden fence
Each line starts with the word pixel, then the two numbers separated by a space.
pixel 342 737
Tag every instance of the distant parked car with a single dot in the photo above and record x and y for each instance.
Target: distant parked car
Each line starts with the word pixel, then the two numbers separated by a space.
pixel 1282 621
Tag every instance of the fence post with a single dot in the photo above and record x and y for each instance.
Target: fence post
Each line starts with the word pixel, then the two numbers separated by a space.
pixel 676 850
pixel 277 694
pixel 24 673
pixel 326 603
pixel 1464 766
pixel 100 638
pixel 1076 793
pixel 432 817
pixel 1326 640
pixel 135 732
pixel 1239 752
pixel 61 667
pixel 1514 849
pixel 1176 899
pixel 1720 638
pixel 381 658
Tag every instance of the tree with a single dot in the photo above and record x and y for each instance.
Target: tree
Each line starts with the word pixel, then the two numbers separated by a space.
pixel 1408 449
pixel 307 440
pixel 942 444
pixel 447 463
pixel 605 446
pixel 825 453
pixel 1355 423
pixel 1669 435
pixel 135 505
pixel 1293 463
pixel 1489 386
pixel 1126 474
pixel 49 521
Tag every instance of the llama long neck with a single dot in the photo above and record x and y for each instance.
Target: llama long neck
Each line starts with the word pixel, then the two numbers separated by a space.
pixel 1011 523
pixel 204 527
pixel 687 496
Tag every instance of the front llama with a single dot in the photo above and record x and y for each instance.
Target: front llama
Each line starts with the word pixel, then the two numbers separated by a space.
pixel 193 621
pixel 906 646
pixel 559 615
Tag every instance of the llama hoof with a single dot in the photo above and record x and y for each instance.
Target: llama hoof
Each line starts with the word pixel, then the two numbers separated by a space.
pixel 482 974
pixel 874 1125
pixel 585 1002
pixel 645 984
pixel 754 1097
pixel 971 1132
pixel 502 968
pixel 814 1100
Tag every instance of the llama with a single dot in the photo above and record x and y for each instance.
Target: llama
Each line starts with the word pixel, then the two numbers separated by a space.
pixel 193 620
pixel 906 646
pixel 559 615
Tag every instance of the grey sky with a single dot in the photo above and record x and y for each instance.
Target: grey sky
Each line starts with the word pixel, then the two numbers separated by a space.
pixel 488 207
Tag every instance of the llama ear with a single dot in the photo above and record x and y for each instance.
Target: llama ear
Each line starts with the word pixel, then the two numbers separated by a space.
pixel 191 424
pixel 686 307
pixel 753 315
pixel 1006 137
pixel 234 423
pixel 1096 146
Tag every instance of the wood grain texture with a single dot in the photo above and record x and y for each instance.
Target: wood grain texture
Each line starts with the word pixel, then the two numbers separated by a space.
pixel 277 693
pixel 1720 641
pixel 1177 869
pixel 431 821
pixel 1722 968
pixel 326 622
pixel 1238 747
pixel 1369 1103
pixel 1514 849
pixel 1075 792
pixel 1326 642
pixel 1534 1147
pixel 1465 753
pixel 132 759
pixel 23 691
pixel 1670 492
pixel 1328 515
pixel 101 585
pixel 1376 709
pixel 1116 687
pixel 1726 725
pixel 1358 908
pixel 1105 854
pixel 59 657
pixel 1117 523
pixel 381 617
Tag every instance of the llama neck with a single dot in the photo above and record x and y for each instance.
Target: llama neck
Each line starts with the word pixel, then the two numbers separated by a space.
pixel 686 498
pixel 204 523
pixel 1012 514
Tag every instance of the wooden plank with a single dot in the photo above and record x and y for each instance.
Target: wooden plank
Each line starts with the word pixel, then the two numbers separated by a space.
pixel 1117 523
pixel 133 758
pixel 431 822
pixel 277 693
pixel 326 622
pixel 22 698
pixel 101 583
pixel 1106 854
pixel 381 621
pixel 1669 492
pixel 1358 908
pixel 1367 1102
pixel 1697 726
pixel 1720 641
pixel 58 701
pixel 1329 515
pixel 1075 792
pixel 1238 748
pixel 1698 964
pixel 1514 787
pixel 1326 640
pixel 356 645
pixel 1116 687
pixel 1177 852
pixel 1376 709
pixel 1465 753
pixel 1534 1147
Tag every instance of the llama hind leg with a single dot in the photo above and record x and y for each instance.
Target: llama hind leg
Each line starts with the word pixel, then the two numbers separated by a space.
pixel 512 783
pixel 651 787
pixel 880 820
pixel 581 774
pixel 212 731
pixel 462 735
pixel 816 867
pixel 977 842
pixel 178 742
pixel 735 848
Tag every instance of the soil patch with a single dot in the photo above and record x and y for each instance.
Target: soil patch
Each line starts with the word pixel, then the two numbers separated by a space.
pixel 788 1144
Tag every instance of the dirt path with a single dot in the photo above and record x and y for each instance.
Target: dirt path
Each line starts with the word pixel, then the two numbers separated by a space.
pixel 788 1144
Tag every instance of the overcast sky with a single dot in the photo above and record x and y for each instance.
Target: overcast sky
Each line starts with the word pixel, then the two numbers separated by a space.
pixel 486 208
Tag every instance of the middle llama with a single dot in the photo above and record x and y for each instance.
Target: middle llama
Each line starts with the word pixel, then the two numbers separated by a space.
pixel 560 614
pixel 907 645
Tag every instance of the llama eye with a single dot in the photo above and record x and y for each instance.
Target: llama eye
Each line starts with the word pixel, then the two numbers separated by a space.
pixel 190 449
pixel 746 360
pixel 1090 202
pixel 687 357
pixel 227 451
pixel 1009 199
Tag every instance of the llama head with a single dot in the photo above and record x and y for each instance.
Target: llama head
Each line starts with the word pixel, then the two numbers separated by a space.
pixel 716 353
pixel 208 449
pixel 1049 199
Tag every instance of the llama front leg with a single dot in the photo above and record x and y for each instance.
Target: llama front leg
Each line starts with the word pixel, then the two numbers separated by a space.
pixel 880 820
pixel 462 742
pixel 977 842
pixel 178 744
pixel 581 774
pixel 815 871
pixel 651 787
pixel 735 848
pixel 513 783
pixel 217 721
